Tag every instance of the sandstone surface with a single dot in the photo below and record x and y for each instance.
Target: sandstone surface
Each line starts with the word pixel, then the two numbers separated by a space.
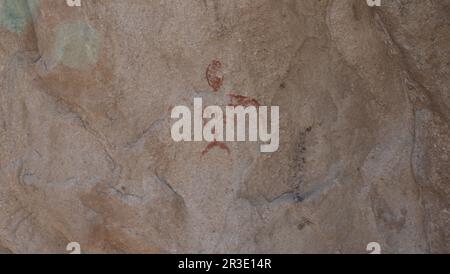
pixel 85 148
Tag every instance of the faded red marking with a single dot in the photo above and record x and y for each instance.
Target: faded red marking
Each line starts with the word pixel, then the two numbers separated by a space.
pixel 236 100
pixel 214 144
pixel 241 100
pixel 214 75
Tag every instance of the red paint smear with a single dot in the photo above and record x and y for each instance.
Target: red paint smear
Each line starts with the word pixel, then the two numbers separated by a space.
pixel 214 144
pixel 214 76
pixel 241 100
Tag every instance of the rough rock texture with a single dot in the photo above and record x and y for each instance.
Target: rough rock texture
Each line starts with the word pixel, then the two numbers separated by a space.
pixel 85 147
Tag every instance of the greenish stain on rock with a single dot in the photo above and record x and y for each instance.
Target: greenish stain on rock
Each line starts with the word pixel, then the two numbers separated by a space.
pixel 77 45
pixel 33 5
pixel 15 15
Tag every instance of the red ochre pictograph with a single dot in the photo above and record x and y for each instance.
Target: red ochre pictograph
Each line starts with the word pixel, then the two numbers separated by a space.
pixel 241 100
pixel 214 75
pixel 215 78
pixel 217 144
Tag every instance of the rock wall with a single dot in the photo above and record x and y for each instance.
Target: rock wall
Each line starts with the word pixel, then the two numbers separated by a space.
pixel 86 153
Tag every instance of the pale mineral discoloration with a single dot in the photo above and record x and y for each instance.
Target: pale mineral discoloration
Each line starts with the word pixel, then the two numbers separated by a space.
pixel 16 15
pixel 77 45
pixel 85 147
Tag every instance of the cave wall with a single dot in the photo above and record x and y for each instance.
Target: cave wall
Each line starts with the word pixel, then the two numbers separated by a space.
pixel 86 153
